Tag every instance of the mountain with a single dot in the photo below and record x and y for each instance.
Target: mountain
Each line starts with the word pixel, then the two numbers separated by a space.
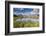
pixel 27 13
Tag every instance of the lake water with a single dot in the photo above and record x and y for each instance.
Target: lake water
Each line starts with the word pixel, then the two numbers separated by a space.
pixel 27 19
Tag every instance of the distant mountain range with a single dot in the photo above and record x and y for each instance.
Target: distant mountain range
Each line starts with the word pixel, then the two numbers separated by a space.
pixel 27 12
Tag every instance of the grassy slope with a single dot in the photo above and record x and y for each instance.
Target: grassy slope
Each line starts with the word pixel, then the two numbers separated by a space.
pixel 24 24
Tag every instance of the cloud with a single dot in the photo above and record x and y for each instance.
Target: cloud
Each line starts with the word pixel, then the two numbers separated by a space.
pixel 25 11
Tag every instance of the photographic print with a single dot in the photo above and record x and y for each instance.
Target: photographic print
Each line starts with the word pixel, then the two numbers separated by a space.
pixel 24 17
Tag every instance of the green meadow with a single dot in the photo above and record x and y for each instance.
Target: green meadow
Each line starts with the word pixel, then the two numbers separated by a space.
pixel 19 24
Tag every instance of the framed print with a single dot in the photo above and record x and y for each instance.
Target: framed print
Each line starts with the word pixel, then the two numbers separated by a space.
pixel 24 17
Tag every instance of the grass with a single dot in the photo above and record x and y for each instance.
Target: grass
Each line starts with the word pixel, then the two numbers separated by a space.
pixel 19 24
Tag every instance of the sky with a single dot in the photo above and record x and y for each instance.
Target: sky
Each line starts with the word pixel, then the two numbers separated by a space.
pixel 24 11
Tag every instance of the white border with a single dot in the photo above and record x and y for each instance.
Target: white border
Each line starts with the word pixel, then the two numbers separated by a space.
pixel 24 29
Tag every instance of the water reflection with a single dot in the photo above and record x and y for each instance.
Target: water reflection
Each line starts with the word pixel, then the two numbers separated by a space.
pixel 27 19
